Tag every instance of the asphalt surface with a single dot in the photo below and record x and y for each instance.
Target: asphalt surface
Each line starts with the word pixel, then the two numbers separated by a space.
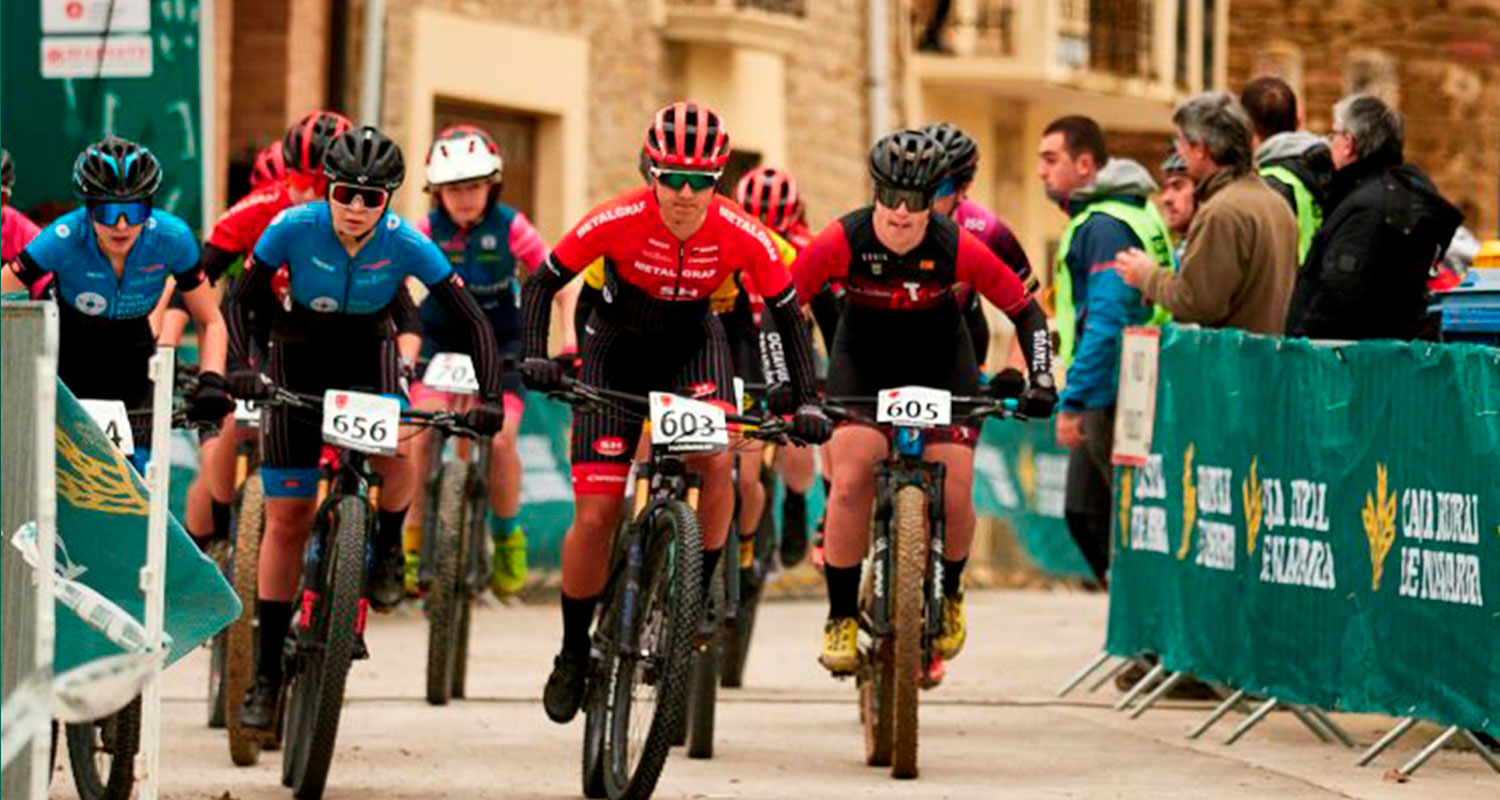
pixel 995 729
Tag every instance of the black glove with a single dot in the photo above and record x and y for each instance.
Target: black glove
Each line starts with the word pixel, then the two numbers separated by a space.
pixel 210 402
pixel 781 399
pixel 1038 401
pixel 811 425
pixel 487 418
pixel 249 384
pixel 543 374
pixel 1008 383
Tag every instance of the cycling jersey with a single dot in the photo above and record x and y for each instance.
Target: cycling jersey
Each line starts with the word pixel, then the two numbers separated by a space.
pixel 105 334
pixel 237 231
pixel 974 217
pixel 16 231
pixel 724 298
pixel 486 254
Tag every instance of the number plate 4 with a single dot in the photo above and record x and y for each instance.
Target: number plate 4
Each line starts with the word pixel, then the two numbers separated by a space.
pixel 365 422
pixel 915 407
pixel 114 420
pixel 683 425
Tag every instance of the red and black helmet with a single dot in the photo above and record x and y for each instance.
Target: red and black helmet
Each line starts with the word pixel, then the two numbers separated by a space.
pixel 770 194
pixel 306 141
pixel 269 166
pixel 688 135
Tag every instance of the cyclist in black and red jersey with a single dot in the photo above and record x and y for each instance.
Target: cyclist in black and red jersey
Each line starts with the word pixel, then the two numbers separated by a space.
pixel 667 247
pixel 901 325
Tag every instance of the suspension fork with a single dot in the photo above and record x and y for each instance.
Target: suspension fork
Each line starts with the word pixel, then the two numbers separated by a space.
pixel 933 478
pixel 882 558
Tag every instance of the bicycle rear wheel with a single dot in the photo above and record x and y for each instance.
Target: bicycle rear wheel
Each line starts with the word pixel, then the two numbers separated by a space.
pixel 446 596
pixel 647 678
pixel 240 638
pixel 906 645
pixel 318 689
pixel 102 754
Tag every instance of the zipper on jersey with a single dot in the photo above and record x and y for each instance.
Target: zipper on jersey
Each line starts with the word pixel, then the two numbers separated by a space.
pixel 681 254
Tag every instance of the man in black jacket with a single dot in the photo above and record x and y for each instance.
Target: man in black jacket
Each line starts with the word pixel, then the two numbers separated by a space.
pixel 1385 226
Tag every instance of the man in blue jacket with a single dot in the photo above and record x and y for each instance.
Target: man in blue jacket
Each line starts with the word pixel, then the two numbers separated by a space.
pixel 1106 201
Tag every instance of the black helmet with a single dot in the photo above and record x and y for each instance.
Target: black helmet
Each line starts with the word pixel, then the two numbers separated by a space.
pixel 907 160
pixel 7 170
pixel 1173 163
pixel 116 169
pixel 960 154
pixel 304 144
pixel 367 157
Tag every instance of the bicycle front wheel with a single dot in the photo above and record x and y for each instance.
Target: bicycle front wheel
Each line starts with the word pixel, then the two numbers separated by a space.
pixel 906 660
pixel 240 638
pixel 648 676
pixel 102 754
pixel 446 596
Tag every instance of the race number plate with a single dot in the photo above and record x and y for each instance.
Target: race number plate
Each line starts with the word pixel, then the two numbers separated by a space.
pixel 915 407
pixel 114 420
pixel 247 412
pixel 452 373
pixel 365 422
pixel 683 425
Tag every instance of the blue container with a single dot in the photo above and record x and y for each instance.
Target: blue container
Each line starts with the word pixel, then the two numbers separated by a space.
pixel 1471 311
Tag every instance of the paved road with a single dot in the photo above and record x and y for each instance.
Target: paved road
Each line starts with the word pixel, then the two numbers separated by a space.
pixel 994 730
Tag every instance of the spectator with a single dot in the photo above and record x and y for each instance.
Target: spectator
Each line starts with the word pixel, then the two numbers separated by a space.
pixel 1386 229
pixel 1106 200
pixel 1241 255
pixel 1177 203
pixel 16 231
pixel 1297 164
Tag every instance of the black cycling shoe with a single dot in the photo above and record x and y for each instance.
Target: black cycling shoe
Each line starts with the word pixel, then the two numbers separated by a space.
pixel 793 529
pixel 259 707
pixel 564 691
pixel 388 579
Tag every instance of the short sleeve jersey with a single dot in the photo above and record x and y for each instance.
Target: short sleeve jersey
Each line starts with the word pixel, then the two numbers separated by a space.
pixel 326 279
pixel 240 227
pixel 85 278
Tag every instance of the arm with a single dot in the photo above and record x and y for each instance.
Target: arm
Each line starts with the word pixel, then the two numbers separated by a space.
pixel 527 245
pixel 461 306
pixel 1104 312
pixel 536 305
pixel 1210 274
pixel 215 261
pixel 1003 243
pixel 770 279
pixel 213 334
pixel 991 277
pixel 251 293
pixel 408 325
pixel 825 258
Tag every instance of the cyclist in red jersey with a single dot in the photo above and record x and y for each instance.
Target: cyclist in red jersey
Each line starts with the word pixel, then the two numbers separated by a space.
pixel 901 325
pixel 667 247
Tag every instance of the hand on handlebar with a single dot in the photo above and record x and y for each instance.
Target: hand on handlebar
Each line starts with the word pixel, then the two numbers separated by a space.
pixel 250 384
pixel 210 401
pixel 1040 399
pixel 543 374
pixel 812 425
pixel 487 418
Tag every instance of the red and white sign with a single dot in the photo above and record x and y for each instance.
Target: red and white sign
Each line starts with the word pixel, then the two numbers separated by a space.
pixel 1135 405
pixel 93 16
pixel 92 56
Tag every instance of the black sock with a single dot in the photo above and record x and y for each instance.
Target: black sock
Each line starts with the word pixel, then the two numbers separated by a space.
pixel 953 573
pixel 578 617
pixel 388 531
pixel 275 618
pixel 710 563
pixel 221 519
pixel 794 499
pixel 843 590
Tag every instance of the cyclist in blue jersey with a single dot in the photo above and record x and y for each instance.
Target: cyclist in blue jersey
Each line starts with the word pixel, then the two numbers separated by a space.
pixel 341 264
pixel 107 264
pixel 488 243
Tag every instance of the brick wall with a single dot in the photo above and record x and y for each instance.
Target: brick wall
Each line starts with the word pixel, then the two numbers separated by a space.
pixel 1439 60
pixel 827 102
pixel 280 68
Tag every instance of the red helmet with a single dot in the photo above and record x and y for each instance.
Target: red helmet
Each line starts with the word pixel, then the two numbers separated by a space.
pixel 305 142
pixel 688 135
pixel 269 166
pixel 772 195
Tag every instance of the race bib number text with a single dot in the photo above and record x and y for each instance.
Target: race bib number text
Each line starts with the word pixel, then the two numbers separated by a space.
pixel 915 406
pixel 452 373
pixel 365 422
pixel 683 425
pixel 114 420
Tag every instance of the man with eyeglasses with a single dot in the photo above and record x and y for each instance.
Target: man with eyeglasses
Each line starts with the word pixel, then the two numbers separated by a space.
pixel 902 325
pixel 327 275
pixel 666 247
pixel 107 264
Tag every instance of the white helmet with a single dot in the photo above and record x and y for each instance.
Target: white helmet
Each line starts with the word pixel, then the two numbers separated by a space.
pixel 463 153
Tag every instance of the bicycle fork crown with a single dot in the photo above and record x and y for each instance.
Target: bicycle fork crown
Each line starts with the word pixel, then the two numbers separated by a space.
pixel 909 441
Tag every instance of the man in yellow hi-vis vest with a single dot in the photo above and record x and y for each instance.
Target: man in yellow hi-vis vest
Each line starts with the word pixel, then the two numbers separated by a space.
pixel 1297 164
pixel 1106 200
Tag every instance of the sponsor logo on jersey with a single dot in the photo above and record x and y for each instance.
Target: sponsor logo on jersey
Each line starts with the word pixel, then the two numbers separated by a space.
pixel 377 265
pixel 702 389
pixel 321 264
pixel 91 303
pixel 280 215
pixel 151 223
pixel 757 233
pixel 609 446
pixel 927 264
pixel 974 224
pixel 610 215
pixel 63 231
pixel 489 241
pixel 153 267
pixel 324 304
pixel 657 242
pixel 392 222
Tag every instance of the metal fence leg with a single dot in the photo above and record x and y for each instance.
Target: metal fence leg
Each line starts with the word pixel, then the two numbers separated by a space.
pixel 1111 672
pixel 1386 741
pixel 1332 727
pixel 1217 714
pixel 1082 675
pixel 1254 719
pixel 1141 686
pixel 1158 693
pixel 1300 712
pixel 1483 751
pixel 1421 758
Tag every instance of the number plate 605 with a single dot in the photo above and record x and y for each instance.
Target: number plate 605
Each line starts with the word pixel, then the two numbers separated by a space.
pixel 915 406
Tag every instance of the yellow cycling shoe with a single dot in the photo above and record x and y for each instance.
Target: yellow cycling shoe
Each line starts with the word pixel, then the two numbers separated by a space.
pixel 509 564
pixel 413 573
pixel 840 646
pixel 955 629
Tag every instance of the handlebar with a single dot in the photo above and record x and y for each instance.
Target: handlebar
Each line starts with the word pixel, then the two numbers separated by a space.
pixel 979 407
pixel 766 429
pixel 449 422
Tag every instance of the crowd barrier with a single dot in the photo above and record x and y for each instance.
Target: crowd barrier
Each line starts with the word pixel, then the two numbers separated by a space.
pixel 1021 476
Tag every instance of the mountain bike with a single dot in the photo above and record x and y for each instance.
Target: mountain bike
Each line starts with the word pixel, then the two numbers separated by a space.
pixel 901 599
pixel 327 634
pixel 636 686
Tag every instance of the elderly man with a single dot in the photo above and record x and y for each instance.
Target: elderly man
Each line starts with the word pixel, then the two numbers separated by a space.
pixel 1241 255
pixel 1385 228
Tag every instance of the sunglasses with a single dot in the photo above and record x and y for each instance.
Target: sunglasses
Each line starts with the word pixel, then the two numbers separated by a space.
pixel 346 193
pixel 675 180
pixel 891 197
pixel 135 212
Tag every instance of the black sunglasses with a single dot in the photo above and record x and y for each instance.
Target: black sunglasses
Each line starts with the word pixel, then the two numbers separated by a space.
pixel 891 197
pixel 345 193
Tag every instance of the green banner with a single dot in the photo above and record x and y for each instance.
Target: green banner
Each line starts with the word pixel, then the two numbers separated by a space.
pixel 1319 524
pixel 1021 475
pixel 546 485
pixel 102 506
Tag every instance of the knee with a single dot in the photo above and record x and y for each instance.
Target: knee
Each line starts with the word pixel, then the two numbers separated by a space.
pixel 594 521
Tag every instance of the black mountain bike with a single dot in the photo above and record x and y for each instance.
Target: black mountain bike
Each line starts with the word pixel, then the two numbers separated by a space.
pixel 642 644
pixel 901 599
pixel 327 635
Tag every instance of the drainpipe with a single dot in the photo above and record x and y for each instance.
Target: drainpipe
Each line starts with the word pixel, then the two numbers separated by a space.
pixel 879 67
pixel 372 63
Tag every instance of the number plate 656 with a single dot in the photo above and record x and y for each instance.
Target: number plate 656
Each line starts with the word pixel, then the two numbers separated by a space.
pixel 368 423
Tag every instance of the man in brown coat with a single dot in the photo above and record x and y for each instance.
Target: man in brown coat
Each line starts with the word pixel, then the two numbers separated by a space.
pixel 1241 256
